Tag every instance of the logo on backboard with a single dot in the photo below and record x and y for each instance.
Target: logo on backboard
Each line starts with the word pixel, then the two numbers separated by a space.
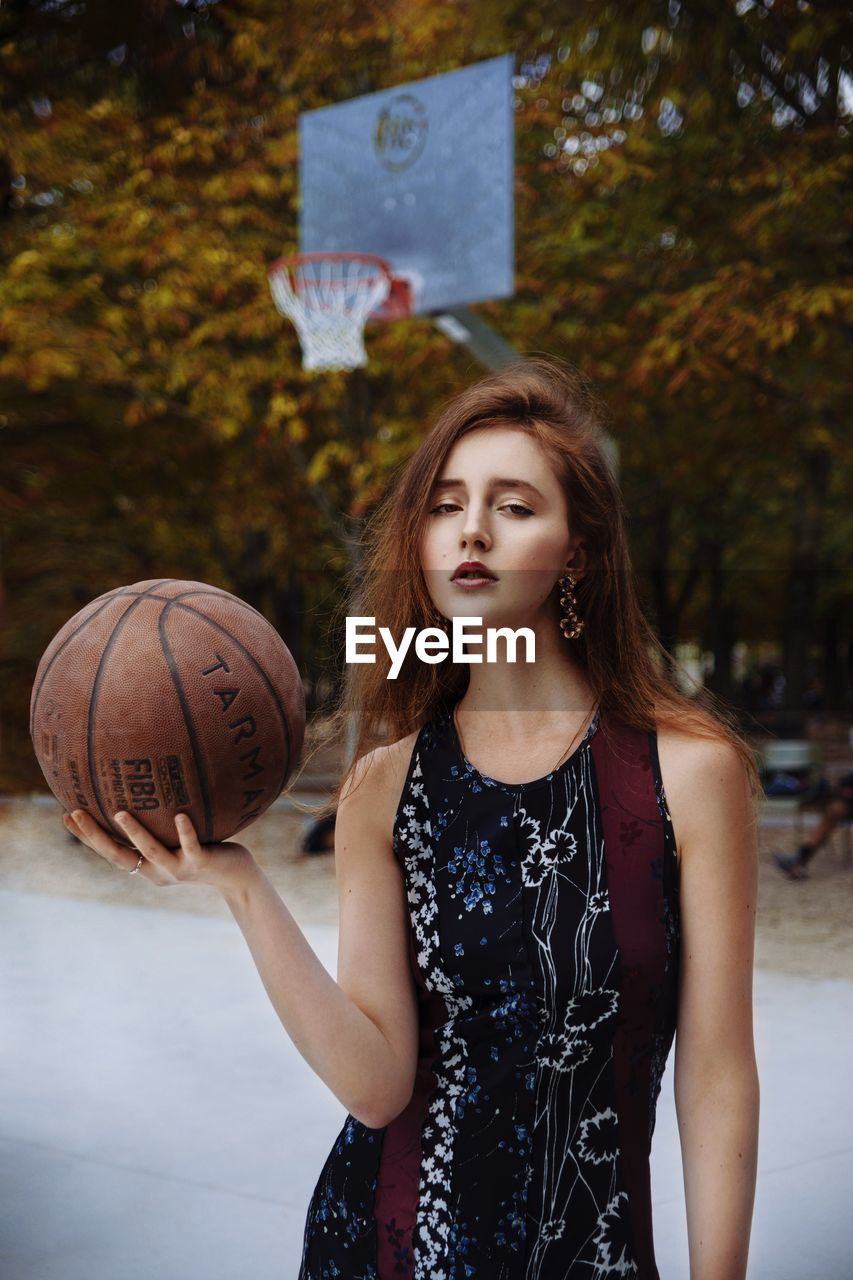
pixel 401 131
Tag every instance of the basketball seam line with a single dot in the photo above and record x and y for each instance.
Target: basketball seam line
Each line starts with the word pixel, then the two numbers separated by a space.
pixel 201 772
pixel 270 687
pixel 211 591
pixel 285 724
pixel 90 728
pixel 90 618
pixel 120 593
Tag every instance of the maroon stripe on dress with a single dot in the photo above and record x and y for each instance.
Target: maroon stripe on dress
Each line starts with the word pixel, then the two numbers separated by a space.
pixel 634 851
pixel 398 1177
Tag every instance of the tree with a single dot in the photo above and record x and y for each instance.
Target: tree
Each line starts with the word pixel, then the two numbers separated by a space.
pixel 683 236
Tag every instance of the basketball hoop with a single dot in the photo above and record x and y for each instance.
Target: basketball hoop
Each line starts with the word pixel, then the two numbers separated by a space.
pixel 329 297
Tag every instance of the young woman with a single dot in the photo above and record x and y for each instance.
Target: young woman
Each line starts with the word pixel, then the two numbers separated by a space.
pixel 544 868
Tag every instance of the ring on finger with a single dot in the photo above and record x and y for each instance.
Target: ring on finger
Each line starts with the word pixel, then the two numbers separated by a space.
pixel 138 865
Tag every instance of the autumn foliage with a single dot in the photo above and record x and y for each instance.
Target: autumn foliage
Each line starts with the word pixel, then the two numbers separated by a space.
pixel 683 236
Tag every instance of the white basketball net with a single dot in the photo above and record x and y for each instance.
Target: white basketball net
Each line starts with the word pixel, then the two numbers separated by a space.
pixel 329 299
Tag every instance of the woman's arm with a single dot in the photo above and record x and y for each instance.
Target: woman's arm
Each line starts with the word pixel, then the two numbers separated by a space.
pixel 343 1042
pixel 716 1077
pixel 360 1034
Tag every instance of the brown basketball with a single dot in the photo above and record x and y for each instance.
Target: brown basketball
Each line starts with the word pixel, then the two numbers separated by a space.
pixel 168 697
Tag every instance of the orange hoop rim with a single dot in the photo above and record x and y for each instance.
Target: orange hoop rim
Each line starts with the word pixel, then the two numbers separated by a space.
pixel 331 255
pixel 399 303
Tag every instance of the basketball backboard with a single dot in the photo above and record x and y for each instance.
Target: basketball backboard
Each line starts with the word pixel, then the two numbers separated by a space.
pixel 422 176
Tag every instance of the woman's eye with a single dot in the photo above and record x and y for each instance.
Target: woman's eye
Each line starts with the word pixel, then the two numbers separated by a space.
pixel 521 510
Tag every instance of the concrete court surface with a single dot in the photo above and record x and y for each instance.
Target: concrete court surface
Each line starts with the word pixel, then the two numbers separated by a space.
pixel 156 1122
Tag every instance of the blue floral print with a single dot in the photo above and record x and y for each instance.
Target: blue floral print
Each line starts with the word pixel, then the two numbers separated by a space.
pixel 510 1162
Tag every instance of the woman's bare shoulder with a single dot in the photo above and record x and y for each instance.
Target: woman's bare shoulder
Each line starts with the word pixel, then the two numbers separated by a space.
pixel 677 740
pixel 698 773
pixel 689 757
pixel 380 775
pixel 384 761
pixel 398 754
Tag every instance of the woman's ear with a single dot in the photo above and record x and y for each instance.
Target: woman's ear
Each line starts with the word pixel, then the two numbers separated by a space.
pixel 577 561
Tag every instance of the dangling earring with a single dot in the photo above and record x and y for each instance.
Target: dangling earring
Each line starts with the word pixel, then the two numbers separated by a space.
pixel 570 624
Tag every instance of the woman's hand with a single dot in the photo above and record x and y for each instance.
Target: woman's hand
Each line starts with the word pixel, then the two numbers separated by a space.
pixel 219 865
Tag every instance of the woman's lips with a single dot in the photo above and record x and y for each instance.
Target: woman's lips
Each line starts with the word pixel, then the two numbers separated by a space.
pixel 472 583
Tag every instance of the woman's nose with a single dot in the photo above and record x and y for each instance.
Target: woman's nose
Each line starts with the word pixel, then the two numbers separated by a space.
pixel 474 540
pixel 474 530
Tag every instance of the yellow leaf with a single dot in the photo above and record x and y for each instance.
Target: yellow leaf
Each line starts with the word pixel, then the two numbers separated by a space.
pixel 296 430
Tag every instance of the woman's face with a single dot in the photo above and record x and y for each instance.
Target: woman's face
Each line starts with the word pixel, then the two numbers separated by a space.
pixel 497 500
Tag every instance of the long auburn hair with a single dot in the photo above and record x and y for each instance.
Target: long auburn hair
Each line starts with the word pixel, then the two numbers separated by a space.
pixel 628 668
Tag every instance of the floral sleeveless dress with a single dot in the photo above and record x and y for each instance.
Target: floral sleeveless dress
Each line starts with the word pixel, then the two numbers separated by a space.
pixel 544 943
